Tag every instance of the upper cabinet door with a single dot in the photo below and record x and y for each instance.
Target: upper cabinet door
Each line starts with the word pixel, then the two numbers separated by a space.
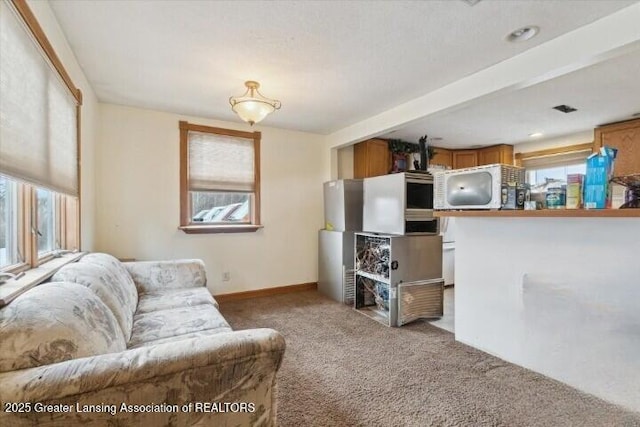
pixel 371 158
pixel 489 155
pixel 625 137
pixel 442 157
pixel 496 154
pixel 465 159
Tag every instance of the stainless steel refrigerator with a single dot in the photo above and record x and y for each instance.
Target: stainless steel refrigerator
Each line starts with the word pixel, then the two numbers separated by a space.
pixel 343 217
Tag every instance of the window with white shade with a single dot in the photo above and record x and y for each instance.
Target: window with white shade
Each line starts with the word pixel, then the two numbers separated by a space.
pixel 8 223
pixel 220 179
pixel 553 165
pixel 39 158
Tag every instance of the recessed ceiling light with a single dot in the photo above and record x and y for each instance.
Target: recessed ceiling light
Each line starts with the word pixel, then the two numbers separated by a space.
pixel 536 134
pixel 522 34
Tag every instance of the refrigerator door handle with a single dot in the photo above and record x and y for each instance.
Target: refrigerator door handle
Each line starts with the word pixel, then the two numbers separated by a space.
pixel 444 225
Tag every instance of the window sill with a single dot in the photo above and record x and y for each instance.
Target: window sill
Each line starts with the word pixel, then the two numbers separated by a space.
pixel 210 229
pixel 11 289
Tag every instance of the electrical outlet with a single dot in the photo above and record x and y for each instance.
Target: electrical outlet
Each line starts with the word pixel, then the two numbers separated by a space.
pixel 226 276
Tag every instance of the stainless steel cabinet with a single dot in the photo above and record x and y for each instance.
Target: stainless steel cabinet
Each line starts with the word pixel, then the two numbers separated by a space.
pixel 335 265
pixel 343 205
pixel 400 203
pixel 398 278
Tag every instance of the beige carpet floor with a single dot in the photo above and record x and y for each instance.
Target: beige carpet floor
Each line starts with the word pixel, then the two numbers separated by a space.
pixel 343 369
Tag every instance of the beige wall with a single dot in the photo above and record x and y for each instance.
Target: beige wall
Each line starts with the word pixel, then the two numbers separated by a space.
pixel 89 119
pixel 345 162
pixel 138 201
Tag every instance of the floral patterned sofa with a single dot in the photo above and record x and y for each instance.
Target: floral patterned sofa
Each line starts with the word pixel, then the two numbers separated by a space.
pixel 140 343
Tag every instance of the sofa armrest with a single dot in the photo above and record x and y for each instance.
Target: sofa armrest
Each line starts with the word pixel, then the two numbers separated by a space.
pixel 153 276
pixel 236 366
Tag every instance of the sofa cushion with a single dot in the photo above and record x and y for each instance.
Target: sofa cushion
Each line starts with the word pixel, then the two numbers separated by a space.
pixel 174 298
pixel 55 322
pixel 175 322
pixel 154 276
pixel 116 268
pixel 107 286
pixel 199 334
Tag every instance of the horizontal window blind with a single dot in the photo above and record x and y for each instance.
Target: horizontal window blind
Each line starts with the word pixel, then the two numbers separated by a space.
pixel 220 163
pixel 38 114
pixel 562 159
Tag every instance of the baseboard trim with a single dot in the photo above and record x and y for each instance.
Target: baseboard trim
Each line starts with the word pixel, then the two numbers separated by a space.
pixel 312 286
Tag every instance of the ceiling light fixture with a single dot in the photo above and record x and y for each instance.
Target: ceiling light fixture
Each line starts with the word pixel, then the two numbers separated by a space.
pixel 522 34
pixel 536 134
pixel 252 106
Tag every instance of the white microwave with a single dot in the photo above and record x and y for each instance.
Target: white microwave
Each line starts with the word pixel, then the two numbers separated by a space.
pixel 474 188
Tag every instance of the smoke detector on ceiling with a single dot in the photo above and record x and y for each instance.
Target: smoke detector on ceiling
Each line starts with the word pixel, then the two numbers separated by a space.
pixel 565 108
pixel 522 34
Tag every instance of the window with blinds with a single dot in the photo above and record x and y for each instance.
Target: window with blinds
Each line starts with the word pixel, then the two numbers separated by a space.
pixel 220 179
pixel 39 177
pixel 38 118
pixel 554 165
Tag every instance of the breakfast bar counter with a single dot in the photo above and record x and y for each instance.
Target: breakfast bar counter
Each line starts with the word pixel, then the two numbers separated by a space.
pixel 557 292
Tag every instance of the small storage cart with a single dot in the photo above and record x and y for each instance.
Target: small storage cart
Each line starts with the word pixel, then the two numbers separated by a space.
pixel 398 279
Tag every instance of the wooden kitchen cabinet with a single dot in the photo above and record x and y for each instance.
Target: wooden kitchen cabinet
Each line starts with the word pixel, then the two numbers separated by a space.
pixel 502 153
pixel 442 157
pixel 624 136
pixel 464 158
pixel 371 158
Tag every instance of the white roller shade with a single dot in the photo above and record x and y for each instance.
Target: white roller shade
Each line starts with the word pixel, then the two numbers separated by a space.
pixel 563 159
pixel 220 162
pixel 38 118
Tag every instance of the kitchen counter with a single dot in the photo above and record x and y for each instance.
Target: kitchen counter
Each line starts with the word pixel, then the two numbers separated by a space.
pixel 554 291
pixel 545 213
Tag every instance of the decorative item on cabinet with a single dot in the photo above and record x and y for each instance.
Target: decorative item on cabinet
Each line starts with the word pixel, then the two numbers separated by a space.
pixel 401 151
pixel 625 137
pixel 426 154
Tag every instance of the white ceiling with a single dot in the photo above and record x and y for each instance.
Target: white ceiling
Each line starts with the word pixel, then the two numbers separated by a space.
pixel 603 93
pixel 335 63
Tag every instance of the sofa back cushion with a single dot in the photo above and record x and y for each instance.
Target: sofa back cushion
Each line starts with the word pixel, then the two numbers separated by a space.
pixel 116 268
pixel 152 277
pixel 107 286
pixel 55 322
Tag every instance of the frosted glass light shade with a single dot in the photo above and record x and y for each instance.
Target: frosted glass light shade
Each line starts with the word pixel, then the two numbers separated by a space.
pixel 252 107
pixel 252 111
